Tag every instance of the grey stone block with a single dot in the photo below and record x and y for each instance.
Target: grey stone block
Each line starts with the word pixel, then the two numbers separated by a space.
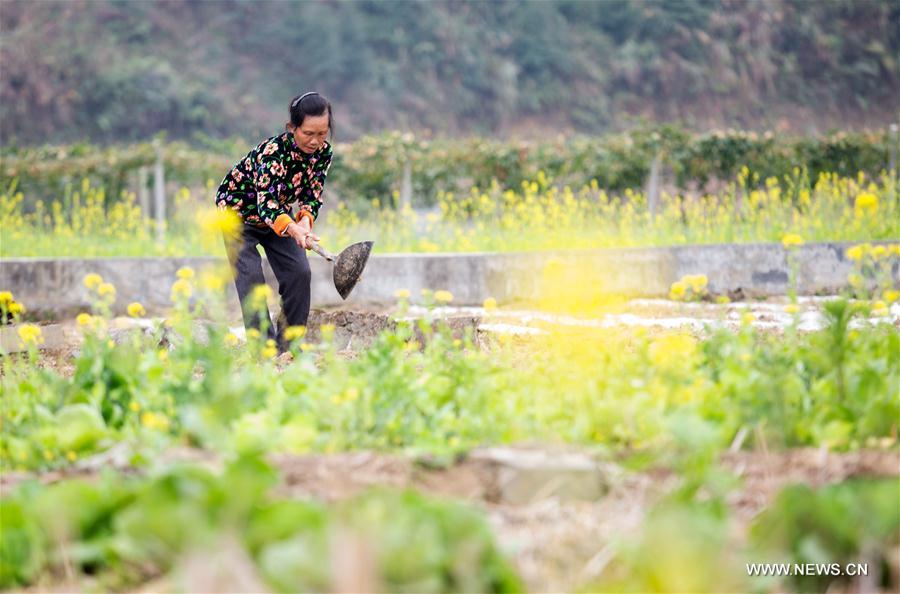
pixel 521 476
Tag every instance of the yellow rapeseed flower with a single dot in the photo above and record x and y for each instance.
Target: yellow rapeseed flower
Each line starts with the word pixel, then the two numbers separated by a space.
pixel 259 296
pixel 15 308
pixel 697 282
pixel 271 350
pixel 891 295
pixel 401 293
pixel 106 290
pixel 6 297
pixel 791 240
pixel 214 223
pixel 253 334
pixel 879 252
pixel 292 333
pixel 678 290
pixel 858 252
pixel 30 335
pixel 93 280
pixel 723 300
pixel 181 289
pixel 84 319
pixel 71 456
pixel 136 310
pixel 153 420
pixel 880 308
pixel 231 339
pixel 212 282
pixel 490 304
pixel 185 273
pixel 443 296
pixel 866 203
pixel 327 331
pixel 791 308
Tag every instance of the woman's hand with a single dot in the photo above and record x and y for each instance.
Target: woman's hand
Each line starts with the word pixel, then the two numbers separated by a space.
pixel 302 234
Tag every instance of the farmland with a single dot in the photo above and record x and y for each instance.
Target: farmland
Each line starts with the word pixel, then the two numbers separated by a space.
pixel 185 417
pixel 575 440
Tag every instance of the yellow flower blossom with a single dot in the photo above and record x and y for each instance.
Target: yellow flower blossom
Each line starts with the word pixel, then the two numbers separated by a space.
pixel 723 300
pixel 71 456
pixel 891 295
pixel 253 334
pixel 270 350
pixel 292 333
pixel 858 252
pixel 212 282
pixel 260 296
pixel 185 273
pixel 134 406
pixel 879 252
pixel 327 332
pixel 84 319
pixel 697 282
pixel 216 222
pixel 163 355
pixel 792 308
pixel 6 297
pixel 153 420
pixel 136 310
pixel 93 280
pixel 791 240
pixel 231 339
pixel 490 304
pixel 106 290
pixel 443 296
pixel 181 289
pixel 866 203
pixel 401 293
pixel 15 308
pixel 880 308
pixel 30 335
pixel 678 290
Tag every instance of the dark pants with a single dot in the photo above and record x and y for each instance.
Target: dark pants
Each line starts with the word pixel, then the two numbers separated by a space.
pixel 291 268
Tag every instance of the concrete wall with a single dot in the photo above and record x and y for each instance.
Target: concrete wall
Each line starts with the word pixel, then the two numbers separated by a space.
pixel 750 269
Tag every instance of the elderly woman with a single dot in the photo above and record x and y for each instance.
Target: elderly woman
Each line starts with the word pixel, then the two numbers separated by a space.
pixel 279 174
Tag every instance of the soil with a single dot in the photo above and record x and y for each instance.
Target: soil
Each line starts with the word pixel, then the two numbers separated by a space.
pixel 557 545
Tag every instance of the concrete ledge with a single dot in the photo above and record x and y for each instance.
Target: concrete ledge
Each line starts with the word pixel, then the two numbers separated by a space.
pixel 55 285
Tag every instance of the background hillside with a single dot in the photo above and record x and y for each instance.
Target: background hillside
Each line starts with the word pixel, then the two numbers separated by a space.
pixel 92 70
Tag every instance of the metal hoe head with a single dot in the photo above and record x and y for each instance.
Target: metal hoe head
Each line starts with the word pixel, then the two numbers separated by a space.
pixel 349 265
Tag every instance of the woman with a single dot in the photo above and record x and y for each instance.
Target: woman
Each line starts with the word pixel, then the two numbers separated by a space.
pixel 281 172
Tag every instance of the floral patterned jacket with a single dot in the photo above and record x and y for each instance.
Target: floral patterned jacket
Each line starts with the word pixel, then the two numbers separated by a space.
pixel 264 186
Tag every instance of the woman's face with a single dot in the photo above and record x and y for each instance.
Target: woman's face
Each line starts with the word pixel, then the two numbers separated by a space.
pixel 310 135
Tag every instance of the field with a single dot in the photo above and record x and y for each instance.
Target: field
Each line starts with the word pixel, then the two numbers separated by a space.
pixel 579 443
pixel 626 454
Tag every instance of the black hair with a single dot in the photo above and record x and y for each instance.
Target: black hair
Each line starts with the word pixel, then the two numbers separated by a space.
pixel 311 104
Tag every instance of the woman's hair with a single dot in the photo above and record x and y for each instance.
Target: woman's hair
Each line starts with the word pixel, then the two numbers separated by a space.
pixel 311 104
